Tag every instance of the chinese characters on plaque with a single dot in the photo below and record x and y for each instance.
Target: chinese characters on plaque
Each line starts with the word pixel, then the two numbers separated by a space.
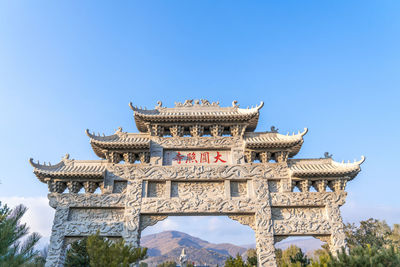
pixel 196 157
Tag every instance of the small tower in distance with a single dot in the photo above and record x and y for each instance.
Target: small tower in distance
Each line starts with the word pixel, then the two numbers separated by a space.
pixel 183 259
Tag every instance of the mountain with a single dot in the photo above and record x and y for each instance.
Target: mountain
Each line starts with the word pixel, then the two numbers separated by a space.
pixel 168 246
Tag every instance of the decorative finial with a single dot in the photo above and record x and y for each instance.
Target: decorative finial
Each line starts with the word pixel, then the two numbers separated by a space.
pixel 66 156
pixel 327 155
pixel 159 104
pixel 234 104
pixel 274 130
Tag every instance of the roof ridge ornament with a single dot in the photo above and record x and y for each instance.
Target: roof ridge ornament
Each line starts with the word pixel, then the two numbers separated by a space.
pixel 274 130
pixel 196 103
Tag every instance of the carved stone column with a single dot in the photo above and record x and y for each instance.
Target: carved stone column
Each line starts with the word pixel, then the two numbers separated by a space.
pixel 56 253
pixel 264 225
pixel 131 231
pixel 338 237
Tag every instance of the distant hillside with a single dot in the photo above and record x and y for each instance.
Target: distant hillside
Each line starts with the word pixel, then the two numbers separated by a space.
pixel 168 246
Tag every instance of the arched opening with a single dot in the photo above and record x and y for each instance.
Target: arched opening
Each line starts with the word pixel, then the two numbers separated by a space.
pixel 208 240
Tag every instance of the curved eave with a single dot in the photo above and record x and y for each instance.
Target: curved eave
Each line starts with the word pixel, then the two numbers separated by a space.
pixel 201 114
pixel 41 175
pixel 324 168
pixel 143 120
pixel 292 143
pixel 116 141
pixel 69 169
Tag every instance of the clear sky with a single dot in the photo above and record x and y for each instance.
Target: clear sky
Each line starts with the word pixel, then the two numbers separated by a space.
pixel 331 66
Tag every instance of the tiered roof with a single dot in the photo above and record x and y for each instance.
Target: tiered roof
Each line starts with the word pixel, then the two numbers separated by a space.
pixel 324 167
pixel 198 116
pixel 119 140
pixel 70 169
pixel 274 140
pixel 133 141
pixel 196 111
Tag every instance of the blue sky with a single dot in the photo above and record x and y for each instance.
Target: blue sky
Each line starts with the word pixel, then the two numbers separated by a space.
pixel 331 66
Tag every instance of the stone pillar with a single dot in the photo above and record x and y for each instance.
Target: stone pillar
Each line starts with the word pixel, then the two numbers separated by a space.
pixel 338 237
pixel 131 232
pixel 56 253
pixel 264 225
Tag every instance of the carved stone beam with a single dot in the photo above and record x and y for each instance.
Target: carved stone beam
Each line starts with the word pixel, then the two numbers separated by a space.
pixel 196 130
pixel 83 228
pixel 320 185
pixel 129 157
pixel 74 186
pixel 250 156
pixel 177 130
pixel 216 130
pixel 302 227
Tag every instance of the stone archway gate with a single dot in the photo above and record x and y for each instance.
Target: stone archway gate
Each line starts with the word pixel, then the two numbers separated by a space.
pixel 196 159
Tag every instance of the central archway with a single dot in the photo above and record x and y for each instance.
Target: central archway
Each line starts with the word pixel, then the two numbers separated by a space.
pixel 208 239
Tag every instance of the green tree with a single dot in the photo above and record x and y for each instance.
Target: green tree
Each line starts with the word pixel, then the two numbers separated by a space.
pixel 301 258
pixel 143 264
pixel 13 252
pixel 287 254
pixel 367 256
pixel 39 260
pixel 370 232
pixel 235 262
pixel 103 252
pixel 167 264
pixel 251 257
pixel 77 254
pixel 394 236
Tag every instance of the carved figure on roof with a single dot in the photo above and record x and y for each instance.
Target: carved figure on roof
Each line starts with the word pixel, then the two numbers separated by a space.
pixel 274 130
